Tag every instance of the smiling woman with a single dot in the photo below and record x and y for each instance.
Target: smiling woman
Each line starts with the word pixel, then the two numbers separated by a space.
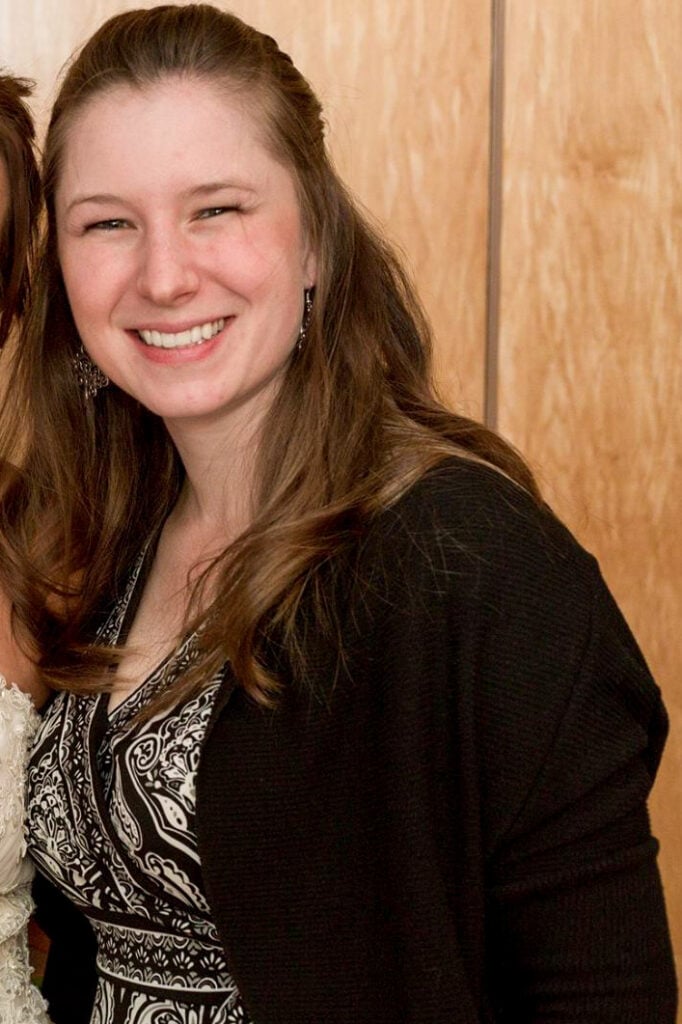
pixel 349 727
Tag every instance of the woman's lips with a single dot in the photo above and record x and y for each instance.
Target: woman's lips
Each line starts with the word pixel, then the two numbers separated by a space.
pixel 171 348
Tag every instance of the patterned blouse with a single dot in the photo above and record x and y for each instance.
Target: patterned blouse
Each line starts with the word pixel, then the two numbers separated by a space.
pixel 112 824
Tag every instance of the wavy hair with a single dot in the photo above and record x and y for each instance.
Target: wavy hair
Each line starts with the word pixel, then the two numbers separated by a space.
pixel 354 423
pixel 17 232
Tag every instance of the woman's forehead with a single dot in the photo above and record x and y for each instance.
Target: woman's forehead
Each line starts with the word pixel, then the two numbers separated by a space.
pixel 222 93
pixel 173 106
pixel 167 138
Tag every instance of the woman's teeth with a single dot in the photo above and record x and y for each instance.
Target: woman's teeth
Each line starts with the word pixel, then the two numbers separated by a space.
pixel 192 336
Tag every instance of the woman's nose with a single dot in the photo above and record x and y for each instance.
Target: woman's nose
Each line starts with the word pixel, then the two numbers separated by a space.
pixel 167 273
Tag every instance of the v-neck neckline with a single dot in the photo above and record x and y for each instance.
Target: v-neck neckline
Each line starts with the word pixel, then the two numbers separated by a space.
pixel 120 629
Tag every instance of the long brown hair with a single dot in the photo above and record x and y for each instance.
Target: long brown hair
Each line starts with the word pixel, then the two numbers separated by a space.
pixel 354 424
pixel 17 232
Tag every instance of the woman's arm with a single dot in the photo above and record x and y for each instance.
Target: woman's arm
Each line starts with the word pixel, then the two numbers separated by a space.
pixel 577 921
pixel 569 731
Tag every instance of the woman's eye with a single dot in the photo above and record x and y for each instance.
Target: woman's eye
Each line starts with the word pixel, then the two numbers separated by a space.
pixel 216 211
pixel 114 224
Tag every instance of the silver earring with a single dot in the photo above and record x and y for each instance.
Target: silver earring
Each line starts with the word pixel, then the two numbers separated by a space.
pixel 305 323
pixel 89 376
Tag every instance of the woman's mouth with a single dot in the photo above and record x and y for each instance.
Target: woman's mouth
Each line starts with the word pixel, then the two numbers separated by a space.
pixel 192 336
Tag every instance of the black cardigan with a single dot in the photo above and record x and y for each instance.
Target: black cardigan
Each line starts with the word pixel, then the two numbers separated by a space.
pixel 448 823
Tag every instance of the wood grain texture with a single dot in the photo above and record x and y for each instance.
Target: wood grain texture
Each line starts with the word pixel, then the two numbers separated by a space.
pixel 405 87
pixel 591 320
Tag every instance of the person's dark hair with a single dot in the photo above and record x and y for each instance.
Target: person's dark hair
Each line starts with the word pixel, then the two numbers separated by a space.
pixel 18 228
pixel 354 425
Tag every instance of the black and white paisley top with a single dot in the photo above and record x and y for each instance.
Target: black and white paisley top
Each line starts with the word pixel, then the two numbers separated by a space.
pixel 112 823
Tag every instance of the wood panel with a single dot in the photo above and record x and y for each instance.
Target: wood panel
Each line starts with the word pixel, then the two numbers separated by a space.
pixel 591 311
pixel 405 86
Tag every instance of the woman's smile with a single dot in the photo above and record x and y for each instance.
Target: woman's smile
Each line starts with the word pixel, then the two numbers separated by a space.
pixel 184 338
pixel 164 346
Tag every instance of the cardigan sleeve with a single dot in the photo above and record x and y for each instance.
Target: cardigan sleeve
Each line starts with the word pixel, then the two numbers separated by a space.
pixel 555 729
pixel 577 924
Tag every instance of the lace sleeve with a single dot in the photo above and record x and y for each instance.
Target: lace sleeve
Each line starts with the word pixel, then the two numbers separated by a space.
pixel 20 1002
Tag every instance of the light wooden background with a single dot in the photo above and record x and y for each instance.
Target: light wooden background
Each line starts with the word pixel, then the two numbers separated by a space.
pixel 588 370
pixel 590 359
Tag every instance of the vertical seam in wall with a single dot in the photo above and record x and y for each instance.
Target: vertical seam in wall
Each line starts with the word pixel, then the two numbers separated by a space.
pixel 493 261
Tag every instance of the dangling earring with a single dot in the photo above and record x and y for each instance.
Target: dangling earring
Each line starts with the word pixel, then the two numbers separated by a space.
pixel 89 376
pixel 305 323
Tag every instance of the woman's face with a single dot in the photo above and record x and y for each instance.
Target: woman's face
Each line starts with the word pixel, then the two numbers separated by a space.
pixel 182 249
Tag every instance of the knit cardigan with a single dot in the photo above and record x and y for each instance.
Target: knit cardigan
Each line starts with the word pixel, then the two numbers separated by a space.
pixel 445 823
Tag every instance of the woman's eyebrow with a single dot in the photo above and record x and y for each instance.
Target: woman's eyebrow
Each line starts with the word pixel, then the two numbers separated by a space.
pixel 196 190
pixel 101 198
pixel 216 186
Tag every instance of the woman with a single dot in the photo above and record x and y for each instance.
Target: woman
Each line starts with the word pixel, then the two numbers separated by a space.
pixel 350 728
pixel 20 1003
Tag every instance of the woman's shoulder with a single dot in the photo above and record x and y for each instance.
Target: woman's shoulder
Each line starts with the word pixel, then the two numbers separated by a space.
pixel 468 520
pixel 472 497
pixel 520 626
pixel 18 721
pixel 469 554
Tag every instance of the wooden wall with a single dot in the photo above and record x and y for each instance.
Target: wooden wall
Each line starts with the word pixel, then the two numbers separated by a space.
pixel 590 360
pixel 586 366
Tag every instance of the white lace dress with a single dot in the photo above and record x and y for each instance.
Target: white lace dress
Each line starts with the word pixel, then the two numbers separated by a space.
pixel 20 1002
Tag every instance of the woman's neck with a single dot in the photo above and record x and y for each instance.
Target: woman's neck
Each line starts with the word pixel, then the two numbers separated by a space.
pixel 217 496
